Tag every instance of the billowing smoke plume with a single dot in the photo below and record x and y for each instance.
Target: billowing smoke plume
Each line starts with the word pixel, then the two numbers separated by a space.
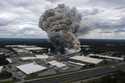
pixel 61 23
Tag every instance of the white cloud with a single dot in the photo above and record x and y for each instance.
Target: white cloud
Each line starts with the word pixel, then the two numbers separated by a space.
pixel 19 18
pixel 107 3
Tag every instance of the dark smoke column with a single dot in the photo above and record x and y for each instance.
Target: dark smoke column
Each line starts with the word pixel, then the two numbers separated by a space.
pixel 61 25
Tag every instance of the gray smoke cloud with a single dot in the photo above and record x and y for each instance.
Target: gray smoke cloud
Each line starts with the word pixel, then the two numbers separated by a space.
pixel 61 24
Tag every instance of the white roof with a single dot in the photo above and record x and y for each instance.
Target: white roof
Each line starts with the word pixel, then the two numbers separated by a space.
pixel 76 63
pixel 20 46
pixel 70 51
pixel 42 56
pixel 19 50
pixel 87 59
pixel 108 57
pixel 34 48
pixel 1 67
pixel 27 58
pixel 31 68
pixel 57 64
pixel 24 46
pixel 8 59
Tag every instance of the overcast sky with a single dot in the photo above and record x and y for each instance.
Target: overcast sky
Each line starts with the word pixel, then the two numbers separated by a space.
pixel 19 18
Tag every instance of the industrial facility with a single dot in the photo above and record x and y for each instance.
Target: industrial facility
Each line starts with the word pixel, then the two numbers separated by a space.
pixel 35 64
